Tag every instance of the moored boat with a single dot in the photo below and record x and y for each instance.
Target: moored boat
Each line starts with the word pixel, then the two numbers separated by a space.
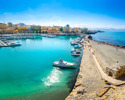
pixel 51 36
pixel 14 43
pixel 78 46
pixel 76 50
pixel 75 54
pixel 63 64
pixel 73 43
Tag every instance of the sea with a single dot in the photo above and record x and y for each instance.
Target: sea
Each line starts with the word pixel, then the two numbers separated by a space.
pixel 116 38
pixel 27 72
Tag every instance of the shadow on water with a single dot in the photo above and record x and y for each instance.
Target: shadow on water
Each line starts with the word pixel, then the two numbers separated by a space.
pixel 73 78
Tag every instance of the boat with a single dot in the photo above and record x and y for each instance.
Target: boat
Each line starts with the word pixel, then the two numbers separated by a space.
pixel 51 36
pixel 14 43
pixel 78 46
pixel 73 43
pixel 76 50
pixel 75 54
pixel 44 35
pixel 63 64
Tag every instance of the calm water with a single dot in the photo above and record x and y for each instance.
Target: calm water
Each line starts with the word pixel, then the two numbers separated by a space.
pixel 27 71
pixel 117 38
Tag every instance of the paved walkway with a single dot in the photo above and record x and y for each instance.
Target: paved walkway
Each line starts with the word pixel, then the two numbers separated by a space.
pixel 104 75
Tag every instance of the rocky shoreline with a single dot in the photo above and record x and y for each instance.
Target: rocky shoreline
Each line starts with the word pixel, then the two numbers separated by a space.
pixel 110 44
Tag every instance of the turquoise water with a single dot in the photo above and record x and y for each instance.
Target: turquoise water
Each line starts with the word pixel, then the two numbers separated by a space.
pixel 27 70
pixel 117 38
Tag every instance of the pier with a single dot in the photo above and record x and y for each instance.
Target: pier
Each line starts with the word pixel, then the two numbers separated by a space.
pixel 92 77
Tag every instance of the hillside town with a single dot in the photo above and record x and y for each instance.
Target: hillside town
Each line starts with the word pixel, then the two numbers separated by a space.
pixel 22 28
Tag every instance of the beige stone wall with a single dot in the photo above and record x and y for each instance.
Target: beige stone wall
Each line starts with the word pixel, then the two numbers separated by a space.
pixel 106 69
pixel 98 57
pixel 120 72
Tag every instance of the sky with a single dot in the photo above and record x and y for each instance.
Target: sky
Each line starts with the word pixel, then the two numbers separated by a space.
pixel 77 13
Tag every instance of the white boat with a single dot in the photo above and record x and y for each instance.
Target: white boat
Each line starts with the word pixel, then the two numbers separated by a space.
pixel 51 36
pixel 78 46
pixel 78 39
pixel 73 43
pixel 44 35
pixel 63 64
pixel 75 54
pixel 76 50
pixel 14 43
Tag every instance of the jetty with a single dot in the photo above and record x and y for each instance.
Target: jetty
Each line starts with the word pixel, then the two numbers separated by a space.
pixel 100 62
pixel 93 77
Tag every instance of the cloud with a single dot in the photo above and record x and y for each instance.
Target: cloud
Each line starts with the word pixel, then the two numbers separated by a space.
pixel 45 16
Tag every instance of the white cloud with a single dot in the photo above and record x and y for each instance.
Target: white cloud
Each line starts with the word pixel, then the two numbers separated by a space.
pixel 45 17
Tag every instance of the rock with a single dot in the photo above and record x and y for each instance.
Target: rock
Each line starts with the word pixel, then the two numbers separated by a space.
pixel 81 91
pixel 79 76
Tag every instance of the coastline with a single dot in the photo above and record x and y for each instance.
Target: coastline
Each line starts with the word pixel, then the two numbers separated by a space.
pixel 81 90
pixel 110 44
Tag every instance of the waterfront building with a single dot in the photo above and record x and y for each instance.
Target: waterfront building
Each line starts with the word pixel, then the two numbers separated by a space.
pixel 44 29
pixel 50 30
pixel 76 30
pixel 67 25
pixel 36 29
pixel 21 24
pixel 9 24
pixel 85 30
pixel 79 30
pixel 9 30
pixel 28 28
pixel 22 29
pixel 66 29
pixel 70 30
pixel 61 29
pixel 73 30
pixel 2 25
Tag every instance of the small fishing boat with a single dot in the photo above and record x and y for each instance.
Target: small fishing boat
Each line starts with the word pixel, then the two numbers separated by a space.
pixel 76 50
pixel 75 54
pixel 51 36
pixel 63 64
pixel 78 46
pixel 44 35
pixel 14 43
pixel 73 43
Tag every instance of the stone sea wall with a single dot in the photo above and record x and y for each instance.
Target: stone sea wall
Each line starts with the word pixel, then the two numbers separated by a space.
pixel 98 56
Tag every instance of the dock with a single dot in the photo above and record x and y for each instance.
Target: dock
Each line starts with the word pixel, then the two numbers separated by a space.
pixel 92 77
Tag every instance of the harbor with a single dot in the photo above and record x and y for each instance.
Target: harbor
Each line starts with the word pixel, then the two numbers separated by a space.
pixel 96 61
pixel 33 77
pixel 62 50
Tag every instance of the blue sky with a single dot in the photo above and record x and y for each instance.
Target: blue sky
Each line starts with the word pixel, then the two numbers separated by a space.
pixel 77 13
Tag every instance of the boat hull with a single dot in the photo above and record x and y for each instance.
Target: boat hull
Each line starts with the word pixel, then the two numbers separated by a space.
pixel 57 64
pixel 71 67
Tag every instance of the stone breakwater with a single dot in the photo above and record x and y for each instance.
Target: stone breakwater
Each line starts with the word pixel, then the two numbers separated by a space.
pixel 88 81
pixel 89 84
